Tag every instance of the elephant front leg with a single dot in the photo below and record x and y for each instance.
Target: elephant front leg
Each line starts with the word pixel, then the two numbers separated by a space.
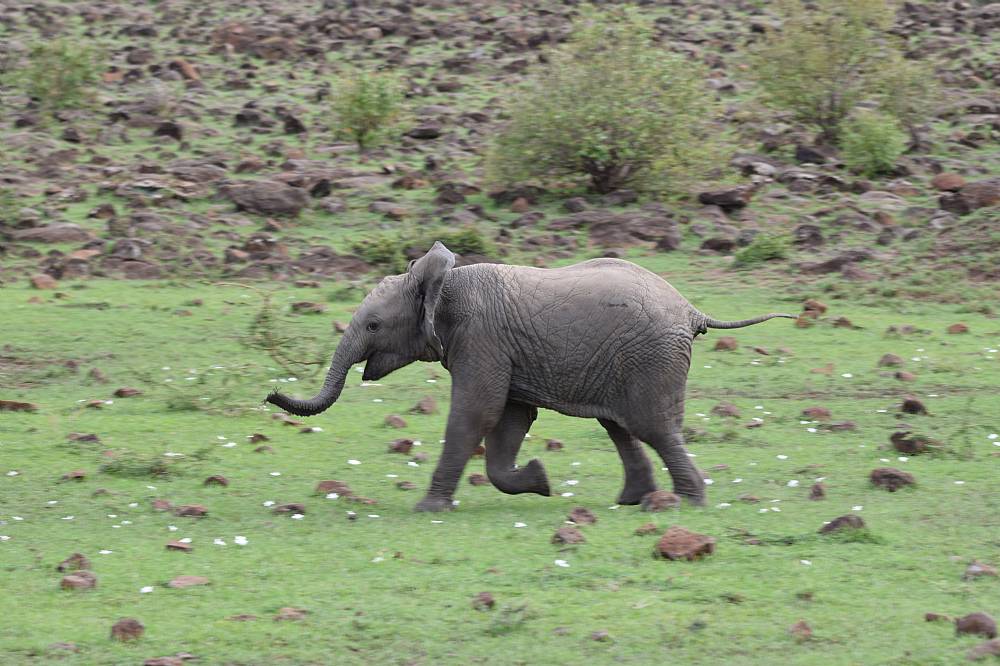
pixel 475 410
pixel 639 478
pixel 502 446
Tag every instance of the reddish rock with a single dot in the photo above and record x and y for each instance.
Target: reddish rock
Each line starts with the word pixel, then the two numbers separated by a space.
pixel 83 437
pixel 890 361
pixel 14 406
pixel 180 546
pixel 127 392
pixel 401 446
pixel 291 507
pixel 483 601
pixel 726 343
pixel 977 569
pixel 987 649
pixel 553 445
pixel 181 582
pixel 817 492
pixel 582 516
pixel 907 444
pixel 406 485
pixel 478 480
pixel 912 406
pixel 258 437
pixel 79 580
pixel 520 205
pixel 726 409
pixel 43 281
pixel 812 305
pixel 956 329
pixel 660 500
pixel 816 413
pixel 948 182
pixel 568 535
pixel 801 630
pixel 976 623
pixel 128 629
pixel 191 510
pixel 74 562
pixel 678 543
pixel 162 505
pixel 427 405
pixel 849 521
pixel 339 487
pixel 289 614
pixel 163 661
pixel 936 617
pixel 75 475
pixel 648 528
pixel 891 479
pixel 395 421
pixel 601 636
pixel 904 376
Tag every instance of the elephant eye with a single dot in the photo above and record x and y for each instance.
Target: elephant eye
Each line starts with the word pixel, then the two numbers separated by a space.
pixel 372 326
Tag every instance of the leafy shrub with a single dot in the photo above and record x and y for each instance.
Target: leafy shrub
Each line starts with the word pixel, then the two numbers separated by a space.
pixel 384 251
pixel 365 105
pixel 871 143
pixel 59 74
pixel 611 109
pixel 130 464
pixel 464 241
pixel 829 56
pixel 764 247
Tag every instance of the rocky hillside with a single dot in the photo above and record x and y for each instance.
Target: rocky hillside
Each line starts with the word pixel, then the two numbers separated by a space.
pixel 208 149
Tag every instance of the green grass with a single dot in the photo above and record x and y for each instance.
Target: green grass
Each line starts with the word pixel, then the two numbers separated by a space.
pixel 398 588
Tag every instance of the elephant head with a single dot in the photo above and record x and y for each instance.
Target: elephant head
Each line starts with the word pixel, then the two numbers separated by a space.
pixel 393 327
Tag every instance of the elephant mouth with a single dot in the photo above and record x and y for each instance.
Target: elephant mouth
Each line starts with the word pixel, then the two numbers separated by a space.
pixel 380 365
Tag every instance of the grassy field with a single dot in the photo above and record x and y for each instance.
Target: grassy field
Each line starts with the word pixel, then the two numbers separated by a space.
pixel 392 586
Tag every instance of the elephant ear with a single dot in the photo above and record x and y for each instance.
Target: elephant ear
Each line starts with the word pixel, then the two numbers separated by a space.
pixel 429 272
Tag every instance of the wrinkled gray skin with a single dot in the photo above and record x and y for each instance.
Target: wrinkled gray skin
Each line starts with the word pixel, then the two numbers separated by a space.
pixel 601 339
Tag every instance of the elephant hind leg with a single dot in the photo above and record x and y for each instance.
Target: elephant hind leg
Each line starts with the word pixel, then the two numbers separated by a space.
pixel 638 470
pixel 502 446
pixel 688 482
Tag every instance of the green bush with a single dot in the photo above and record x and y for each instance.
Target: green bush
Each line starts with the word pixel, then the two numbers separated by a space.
pixel 829 56
pixel 764 247
pixel 464 241
pixel 59 74
pixel 384 251
pixel 610 109
pixel 871 143
pixel 365 105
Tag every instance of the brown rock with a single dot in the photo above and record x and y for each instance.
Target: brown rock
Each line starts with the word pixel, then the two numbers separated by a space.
pixel 726 343
pixel 478 480
pixel 14 406
pixel 987 649
pixel 401 446
pixel 601 636
pixel 43 281
pixel 582 516
pixel 80 580
pixel 977 569
pixel 288 614
pixel 568 535
pixel 180 546
pixel 180 582
pixel 191 510
pixel 936 617
pixel 83 437
pixel 264 448
pixel 976 623
pixel 812 305
pixel 216 480
pixel 308 307
pixel 956 329
pixel 127 392
pixel 801 630
pixel 891 479
pixel 648 528
pixel 291 507
pixel 553 445
pixel 520 205
pixel 660 500
pixel 817 492
pixel 75 475
pixel 258 437
pixel 339 487
pixel 849 521
pixel 816 413
pixel 163 661
pixel 678 543
pixel 242 617
pixel 395 421
pixel 266 197
pixel 74 562
pixel 732 197
pixel 726 409
pixel 824 370
pixel 912 406
pixel 843 322
pixel 907 444
pixel 406 485
pixel 483 601
pixel 904 376
pixel 427 405
pixel 162 505
pixel 948 182
pixel 128 629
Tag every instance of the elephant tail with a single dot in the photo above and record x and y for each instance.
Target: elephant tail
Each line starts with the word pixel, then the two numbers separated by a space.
pixel 703 322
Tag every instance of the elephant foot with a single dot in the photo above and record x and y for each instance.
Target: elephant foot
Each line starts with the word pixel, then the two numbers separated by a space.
pixel 528 479
pixel 434 504
pixel 631 496
pixel 694 499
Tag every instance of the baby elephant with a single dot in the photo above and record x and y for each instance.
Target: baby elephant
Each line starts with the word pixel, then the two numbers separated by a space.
pixel 603 339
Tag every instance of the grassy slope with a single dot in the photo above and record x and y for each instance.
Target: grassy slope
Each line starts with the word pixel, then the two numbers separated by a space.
pixel 867 598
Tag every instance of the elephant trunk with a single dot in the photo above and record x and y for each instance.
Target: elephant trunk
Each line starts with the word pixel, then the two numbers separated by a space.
pixel 347 354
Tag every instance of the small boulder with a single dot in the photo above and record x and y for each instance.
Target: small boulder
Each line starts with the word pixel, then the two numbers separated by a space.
pixel 976 623
pixel 395 421
pixel 987 649
pixel 290 508
pixel 582 516
pixel 660 500
pixel 936 617
pixel 850 521
pixel 957 329
pixel 726 409
pixel 647 529
pixel 339 487
pixel 801 630
pixel 179 546
pixel 406 485
pixel 553 445
pixel 191 510
pixel 891 479
pixel 948 182
pixel 726 343
pixel 478 480
pixel 816 413
pixel 568 535
pixel 127 629
pixel 977 569
pixel 890 361
pixel 909 445
pixel 289 614
pixel 43 281
pixel 401 446
pixel 426 405
pixel 483 601
pixel 127 392
pixel 678 543
pixel 216 480
pixel 74 562
pixel 181 582
pixel 912 406
pixel 817 492
pixel 79 580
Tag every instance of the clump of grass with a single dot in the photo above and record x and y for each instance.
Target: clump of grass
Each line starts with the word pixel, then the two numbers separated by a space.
pixel 871 143
pixel 764 247
pixel 130 464
pixel 858 535
pixel 509 618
